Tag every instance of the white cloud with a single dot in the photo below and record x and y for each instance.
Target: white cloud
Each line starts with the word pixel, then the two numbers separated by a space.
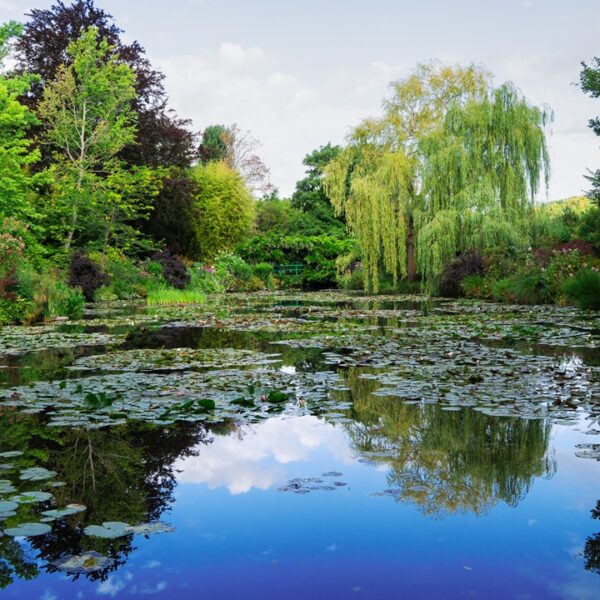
pixel 292 116
pixel 236 56
pixel 256 456
pixel 111 587
pixel 550 79
pixel 289 116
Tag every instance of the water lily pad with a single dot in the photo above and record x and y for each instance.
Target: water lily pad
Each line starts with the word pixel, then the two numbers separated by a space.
pixel 28 530
pixel 36 474
pixel 88 562
pixel 108 530
pixel 150 528
pixel 59 513
pixel 31 497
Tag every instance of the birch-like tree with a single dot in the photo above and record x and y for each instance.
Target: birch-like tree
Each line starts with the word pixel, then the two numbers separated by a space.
pixel 88 116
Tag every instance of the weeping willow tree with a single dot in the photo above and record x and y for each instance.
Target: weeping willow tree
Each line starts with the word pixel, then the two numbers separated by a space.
pixel 452 165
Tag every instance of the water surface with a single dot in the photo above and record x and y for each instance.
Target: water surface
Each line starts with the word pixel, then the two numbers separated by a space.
pixel 357 448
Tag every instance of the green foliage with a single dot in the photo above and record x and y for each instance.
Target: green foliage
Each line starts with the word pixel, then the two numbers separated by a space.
pixel 205 280
pixel 584 288
pixel 213 146
pixel 589 227
pixel 16 152
pixel 452 165
pixel 222 210
pixel 264 272
pixel 310 196
pixel 127 281
pixel 88 119
pixel 168 296
pixel 64 301
pixel 590 84
pixel 317 255
pixel 233 271
pixel 477 287
pixel 16 310
pixel 44 295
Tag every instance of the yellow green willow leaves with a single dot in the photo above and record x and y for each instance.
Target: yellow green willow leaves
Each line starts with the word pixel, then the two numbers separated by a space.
pixel 453 164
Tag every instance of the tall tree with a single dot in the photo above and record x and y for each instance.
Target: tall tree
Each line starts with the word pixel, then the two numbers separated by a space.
pixel 452 165
pixel 161 139
pixel 16 152
pixel 222 210
pixel 238 149
pixel 213 146
pixel 590 84
pixel 310 195
pixel 88 119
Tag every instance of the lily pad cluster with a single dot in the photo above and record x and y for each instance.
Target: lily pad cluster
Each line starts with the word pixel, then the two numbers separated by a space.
pixel 19 503
pixel 179 359
pixel 117 529
pixel 328 482
pixel 17 341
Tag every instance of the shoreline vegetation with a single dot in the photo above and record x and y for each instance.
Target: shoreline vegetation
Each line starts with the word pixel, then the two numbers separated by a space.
pixel 107 195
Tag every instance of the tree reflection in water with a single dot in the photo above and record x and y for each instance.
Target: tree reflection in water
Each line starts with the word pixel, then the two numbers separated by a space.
pixel 120 474
pixel 591 552
pixel 447 462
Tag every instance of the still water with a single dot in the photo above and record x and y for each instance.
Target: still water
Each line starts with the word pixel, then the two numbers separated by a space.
pixel 421 452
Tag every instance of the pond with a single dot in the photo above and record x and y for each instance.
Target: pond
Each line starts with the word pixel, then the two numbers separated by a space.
pixel 318 445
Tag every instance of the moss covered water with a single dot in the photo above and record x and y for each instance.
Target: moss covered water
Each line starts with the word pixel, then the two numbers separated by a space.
pixel 287 445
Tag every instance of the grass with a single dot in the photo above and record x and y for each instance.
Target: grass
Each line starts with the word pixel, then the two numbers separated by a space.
pixel 167 296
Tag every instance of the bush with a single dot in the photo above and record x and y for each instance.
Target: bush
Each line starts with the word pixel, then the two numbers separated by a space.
pixel 476 286
pixel 564 263
pixel 530 288
pixel 205 280
pixel 264 272
pixel 233 272
pixel 126 280
pixel 64 301
pixel 502 291
pixel 584 289
pixel 16 311
pixel 174 271
pixel 463 266
pixel 589 228
pixel 84 273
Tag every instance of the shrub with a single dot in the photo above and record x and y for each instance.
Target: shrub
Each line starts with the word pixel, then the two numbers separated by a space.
pixel 126 280
pixel 476 286
pixel 64 301
pixel 205 280
pixel 584 289
pixel 264 272
pixel 174 271
pixel 84 273
pixel 530 288
pixel 16 311
pixel 564 263
pixel 589 228
pixel 502 291
pixel 465 265
pixel 233 271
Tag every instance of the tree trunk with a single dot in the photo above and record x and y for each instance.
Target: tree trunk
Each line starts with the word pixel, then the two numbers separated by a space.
pixel 71 232
pixel 410 251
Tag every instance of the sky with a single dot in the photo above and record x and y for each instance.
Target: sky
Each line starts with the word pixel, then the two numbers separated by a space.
pixel 301 73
